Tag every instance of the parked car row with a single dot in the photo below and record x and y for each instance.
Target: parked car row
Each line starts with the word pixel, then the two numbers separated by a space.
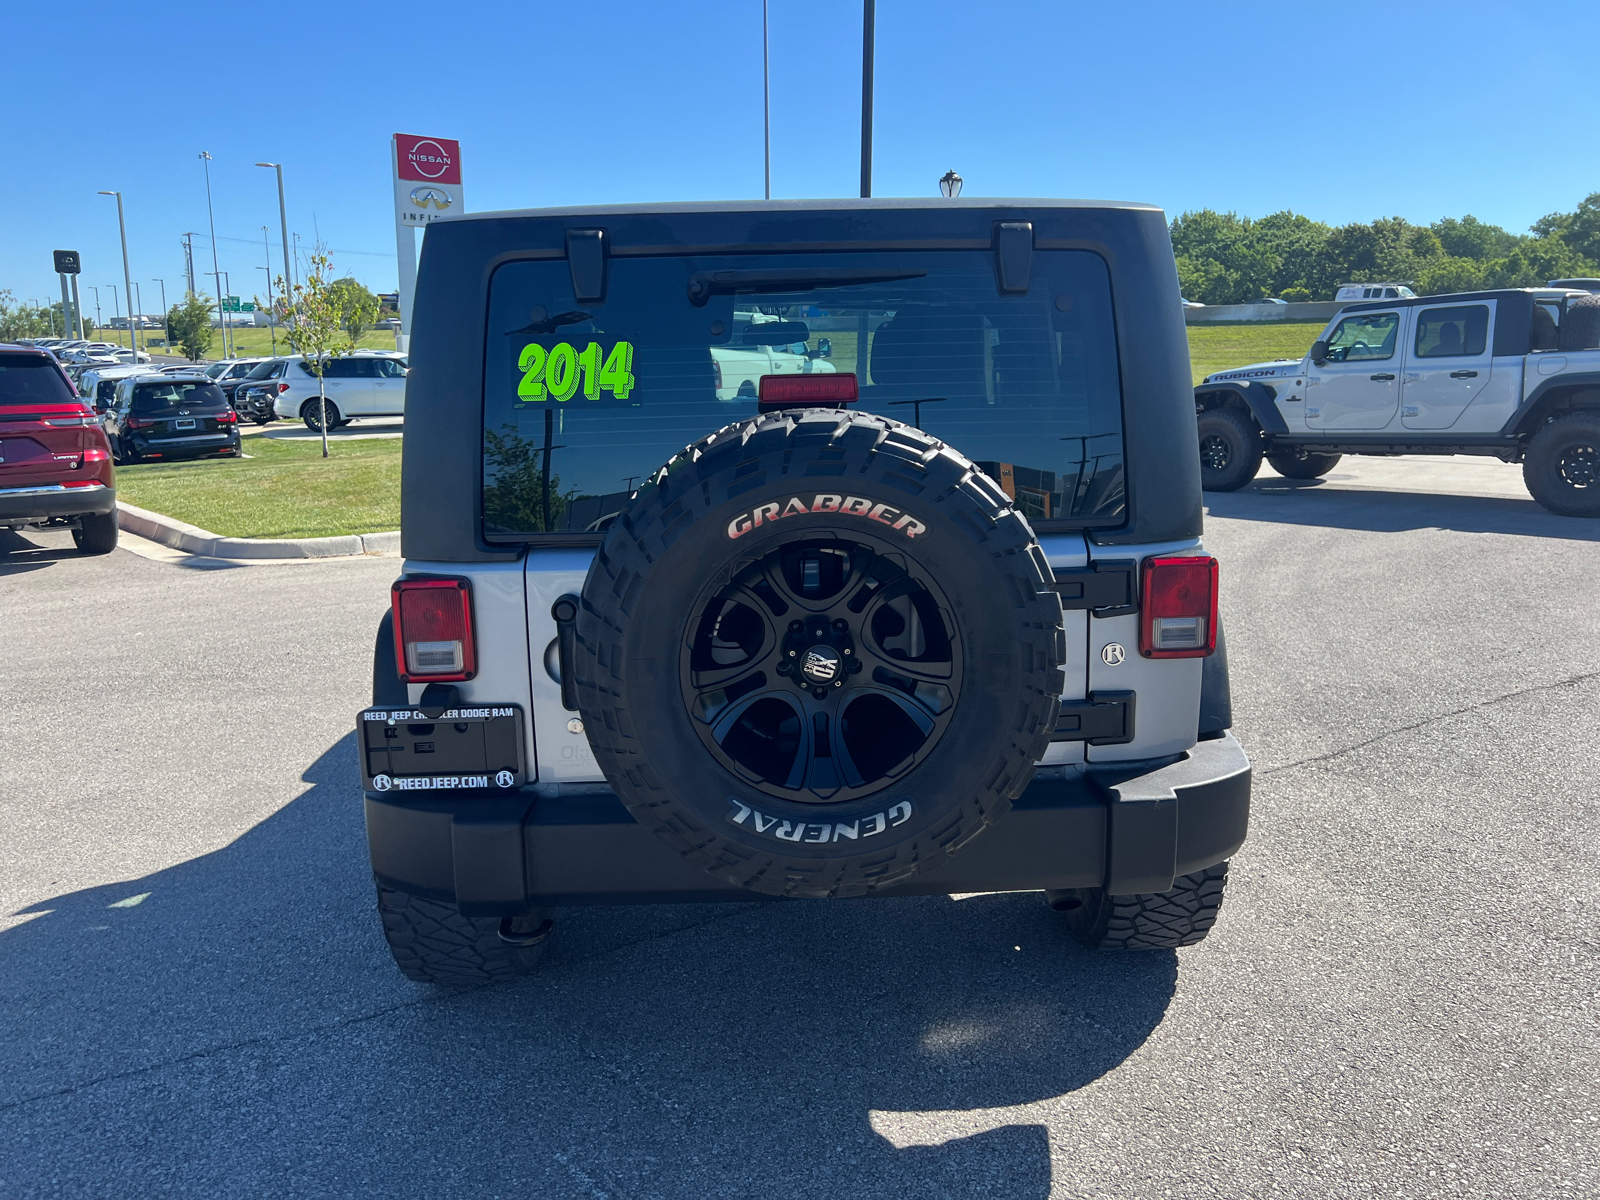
pixel 368 383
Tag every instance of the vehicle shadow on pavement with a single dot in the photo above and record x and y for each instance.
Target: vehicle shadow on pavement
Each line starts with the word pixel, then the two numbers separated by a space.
pixel 19 554
pixel 1295 503
pixel 235 1022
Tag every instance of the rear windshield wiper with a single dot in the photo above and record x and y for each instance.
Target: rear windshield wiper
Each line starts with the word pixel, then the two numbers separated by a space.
pixel 705 284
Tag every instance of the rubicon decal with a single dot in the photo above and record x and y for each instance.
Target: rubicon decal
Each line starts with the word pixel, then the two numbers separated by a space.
pixel 818 832
pixel 845 506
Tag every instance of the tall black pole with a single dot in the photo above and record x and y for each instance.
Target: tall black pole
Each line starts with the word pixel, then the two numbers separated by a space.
pixel 868 12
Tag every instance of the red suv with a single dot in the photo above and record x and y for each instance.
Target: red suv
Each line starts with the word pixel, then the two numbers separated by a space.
pixel 55 465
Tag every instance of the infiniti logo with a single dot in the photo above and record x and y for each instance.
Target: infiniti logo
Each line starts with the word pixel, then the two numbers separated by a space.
pixel 430 194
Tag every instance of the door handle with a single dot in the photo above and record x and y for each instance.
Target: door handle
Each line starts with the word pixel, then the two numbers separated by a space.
pixel 1381 378
pixel 1463 374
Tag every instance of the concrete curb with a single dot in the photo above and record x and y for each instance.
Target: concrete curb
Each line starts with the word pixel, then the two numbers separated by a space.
pixel 193 540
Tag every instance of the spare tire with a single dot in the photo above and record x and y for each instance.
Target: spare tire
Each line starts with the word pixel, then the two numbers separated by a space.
pixel 819 653
pixel 1580 328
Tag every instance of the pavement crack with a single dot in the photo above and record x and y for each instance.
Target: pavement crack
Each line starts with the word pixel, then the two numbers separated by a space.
pixel 1572 681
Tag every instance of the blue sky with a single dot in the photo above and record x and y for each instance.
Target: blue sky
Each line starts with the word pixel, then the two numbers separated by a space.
pixel 1343 112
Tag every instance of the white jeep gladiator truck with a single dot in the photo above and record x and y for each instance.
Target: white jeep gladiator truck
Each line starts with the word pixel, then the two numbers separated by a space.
pixel 1512 373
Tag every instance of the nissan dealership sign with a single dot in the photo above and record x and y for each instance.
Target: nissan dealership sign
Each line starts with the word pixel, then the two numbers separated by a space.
pixel 427 179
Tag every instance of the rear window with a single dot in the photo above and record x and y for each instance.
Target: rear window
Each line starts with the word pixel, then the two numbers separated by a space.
pixel 153 398
pixel 584 401
pixel 267 370
pixel 32 379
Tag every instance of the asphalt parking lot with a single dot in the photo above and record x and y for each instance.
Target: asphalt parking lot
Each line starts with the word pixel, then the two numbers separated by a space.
pixel 1399 1001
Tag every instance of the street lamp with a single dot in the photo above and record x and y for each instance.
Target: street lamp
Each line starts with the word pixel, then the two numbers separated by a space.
pixel 283 224
pixel 116 310
pixel 215 269
pixel 165 332
pixel 272 324
pixel 126 277
pixel 272 313
pixel 950 184
pixel 96 292
pixel 136 318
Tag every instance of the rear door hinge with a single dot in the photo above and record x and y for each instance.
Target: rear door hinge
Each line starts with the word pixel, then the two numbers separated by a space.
pixel 1104 719
pixel 1104 588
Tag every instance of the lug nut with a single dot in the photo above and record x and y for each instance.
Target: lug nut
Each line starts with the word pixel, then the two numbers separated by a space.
pixel 847 649
pixel 795 626
pixel 841 625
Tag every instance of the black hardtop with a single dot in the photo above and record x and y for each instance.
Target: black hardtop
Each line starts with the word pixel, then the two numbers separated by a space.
pixel 1514 312
pixel 442 482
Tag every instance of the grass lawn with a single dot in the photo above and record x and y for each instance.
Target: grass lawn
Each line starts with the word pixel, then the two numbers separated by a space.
pixel 1219 347
pixel 251 343
pixel 286 489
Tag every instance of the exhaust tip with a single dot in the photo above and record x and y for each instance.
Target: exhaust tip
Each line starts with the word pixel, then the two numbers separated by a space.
pixel 1064 901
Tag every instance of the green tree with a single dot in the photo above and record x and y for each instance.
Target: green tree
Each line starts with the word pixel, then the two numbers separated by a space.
pixel 1580 229
pixel 357 307
pixel 189 326
pixel 314 325
pixel 517 497
pixel 1451 273
pixel 1471 238
pixel 18 320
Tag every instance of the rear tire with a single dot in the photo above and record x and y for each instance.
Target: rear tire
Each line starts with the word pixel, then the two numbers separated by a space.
pixel 1230 450
pixel 1147 921
pixel 433 943
pixel 1302 464
pixel 311 414
pixel 96 534
pixel 1562 465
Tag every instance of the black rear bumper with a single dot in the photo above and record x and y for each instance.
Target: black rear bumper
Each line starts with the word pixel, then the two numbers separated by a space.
pixel 1129 829
pixel 48 501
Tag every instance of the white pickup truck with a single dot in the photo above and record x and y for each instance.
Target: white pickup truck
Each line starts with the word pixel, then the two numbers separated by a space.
pixel 1514 374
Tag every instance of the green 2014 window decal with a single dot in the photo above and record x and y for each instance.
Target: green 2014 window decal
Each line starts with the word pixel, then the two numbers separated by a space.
pixel 562 369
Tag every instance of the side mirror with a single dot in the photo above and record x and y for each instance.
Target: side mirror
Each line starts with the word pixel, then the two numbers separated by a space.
pixel 1319 352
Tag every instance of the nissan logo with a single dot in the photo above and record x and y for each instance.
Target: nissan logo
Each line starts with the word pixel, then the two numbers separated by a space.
pixel 428 194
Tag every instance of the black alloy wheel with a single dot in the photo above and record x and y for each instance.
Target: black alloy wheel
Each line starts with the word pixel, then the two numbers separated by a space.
pixel 1562 465
pixel 1230 449
pixel 824 671
pixel 1579 466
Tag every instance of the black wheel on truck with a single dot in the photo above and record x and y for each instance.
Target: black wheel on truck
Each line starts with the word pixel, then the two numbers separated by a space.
pixel 1562 466
pixel 433 943
pixel 1302 464
pixel 96 533
pixel 1230 450
pixel 819 653
pixel 1151 921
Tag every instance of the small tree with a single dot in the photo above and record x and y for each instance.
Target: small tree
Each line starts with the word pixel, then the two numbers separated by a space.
pixel 189 326
pixel 357 306
pixel 314 324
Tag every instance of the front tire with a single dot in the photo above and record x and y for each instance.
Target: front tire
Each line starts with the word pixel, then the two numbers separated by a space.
pixel 433 943
pixel 96 533
pixel 1302 464
pixel 1562 466
pixel 311 414
pixel 1147 921
pixel 1230 450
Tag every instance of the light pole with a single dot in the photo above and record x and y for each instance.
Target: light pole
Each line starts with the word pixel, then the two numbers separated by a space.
pixel 215 269
pixel 126 275
pixel 950 184
pixel 766 97
pixel 116 310
pixel 272 311
pixel 166 334
pixel 869 10
pixel 272 325
pixel 297 252
pixel 137 316
pixel 96 292
pixel 283 224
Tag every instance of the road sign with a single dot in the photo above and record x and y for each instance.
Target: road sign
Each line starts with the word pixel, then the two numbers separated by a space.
pixel 67 262
pixel 233 304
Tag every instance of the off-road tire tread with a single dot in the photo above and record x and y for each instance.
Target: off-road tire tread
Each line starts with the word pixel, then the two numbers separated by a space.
pixel 433 943
pixel 1248 439
pixel 1580 328
pixel 1541 465
pixel 1153 920
pixel 692 483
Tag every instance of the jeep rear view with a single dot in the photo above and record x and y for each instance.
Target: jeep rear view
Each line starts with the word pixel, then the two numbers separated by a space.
pixel 798 550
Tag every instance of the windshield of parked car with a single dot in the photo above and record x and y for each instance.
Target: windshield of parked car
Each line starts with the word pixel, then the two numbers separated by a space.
pixel 585 400
pixel 155 399
pixel 32 379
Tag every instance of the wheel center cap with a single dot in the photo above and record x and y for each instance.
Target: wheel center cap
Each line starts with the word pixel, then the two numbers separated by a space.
pixel 820 664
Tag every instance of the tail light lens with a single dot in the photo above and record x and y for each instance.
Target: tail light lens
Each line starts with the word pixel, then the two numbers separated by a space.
pixel 140 422
pixel 1178 618
pixel 227 418
pixel 93 456
pixel 807 391
pixel 282 388
pixel 433 639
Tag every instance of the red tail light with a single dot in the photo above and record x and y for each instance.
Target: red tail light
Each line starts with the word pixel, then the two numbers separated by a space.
pixel 140 422
pixel 282 388
pixel 227 418
pixel 1178 618
pixel 433 639
pixel 807 391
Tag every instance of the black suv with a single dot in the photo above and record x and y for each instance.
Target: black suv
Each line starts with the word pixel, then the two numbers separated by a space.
pixel 169 416
pixel 786 550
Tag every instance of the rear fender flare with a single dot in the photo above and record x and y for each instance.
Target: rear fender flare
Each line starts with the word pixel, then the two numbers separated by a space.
pixel 1256 397
pixel 1531 412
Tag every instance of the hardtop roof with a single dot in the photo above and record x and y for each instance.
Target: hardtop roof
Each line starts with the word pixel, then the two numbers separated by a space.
pixel 1457 297
pixel 776 207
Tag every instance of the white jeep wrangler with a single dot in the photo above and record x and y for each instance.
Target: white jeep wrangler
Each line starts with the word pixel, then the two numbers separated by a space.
pixel 1514 374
